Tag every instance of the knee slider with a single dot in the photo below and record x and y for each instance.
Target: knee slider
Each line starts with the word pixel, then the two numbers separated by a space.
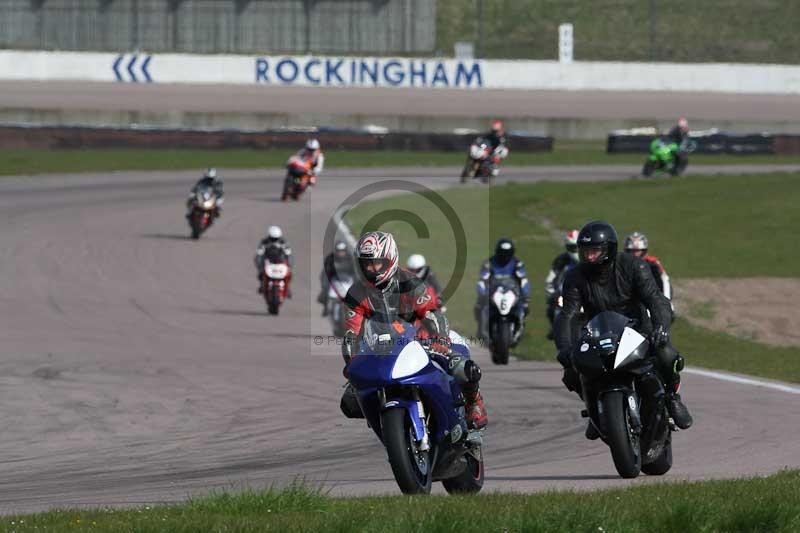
pixel 677 366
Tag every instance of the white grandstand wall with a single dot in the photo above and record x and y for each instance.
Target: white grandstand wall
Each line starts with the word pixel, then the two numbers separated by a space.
pixel 398 72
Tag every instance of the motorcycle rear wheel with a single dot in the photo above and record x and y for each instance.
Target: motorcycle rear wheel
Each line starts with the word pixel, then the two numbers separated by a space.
pixel 398 437
pixel 470 481
pixel 620 438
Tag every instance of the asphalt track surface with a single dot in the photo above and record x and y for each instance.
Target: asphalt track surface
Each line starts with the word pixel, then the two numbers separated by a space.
pixel 588 105
pixel 140 366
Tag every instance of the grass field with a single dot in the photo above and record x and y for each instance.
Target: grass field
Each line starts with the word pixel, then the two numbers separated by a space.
pixel 716 227
pixel 24 162
pixel 624 30
pixel 754 505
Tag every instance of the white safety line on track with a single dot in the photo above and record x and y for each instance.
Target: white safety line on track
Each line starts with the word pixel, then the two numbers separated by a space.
pixel 724 376
pixel 343 228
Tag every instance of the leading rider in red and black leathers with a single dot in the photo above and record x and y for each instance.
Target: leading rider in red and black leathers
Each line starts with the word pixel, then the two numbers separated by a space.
pixel 607 281
pixel 386 292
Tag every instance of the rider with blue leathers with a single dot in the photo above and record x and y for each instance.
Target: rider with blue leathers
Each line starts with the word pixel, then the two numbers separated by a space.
pixel 503 264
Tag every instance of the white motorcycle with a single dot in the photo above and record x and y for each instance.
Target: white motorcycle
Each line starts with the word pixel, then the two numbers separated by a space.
pixel 505 319
pixel 334 304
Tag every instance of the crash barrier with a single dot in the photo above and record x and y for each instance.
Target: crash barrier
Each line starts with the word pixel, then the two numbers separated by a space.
pixel 343 71
pixel 57 137
pixel 711 142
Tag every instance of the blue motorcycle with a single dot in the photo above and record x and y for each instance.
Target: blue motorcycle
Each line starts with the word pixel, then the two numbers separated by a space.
pixel 416 408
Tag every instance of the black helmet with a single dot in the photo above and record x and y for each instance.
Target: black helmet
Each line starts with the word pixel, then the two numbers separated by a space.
pixel 503 251
pixel 597 236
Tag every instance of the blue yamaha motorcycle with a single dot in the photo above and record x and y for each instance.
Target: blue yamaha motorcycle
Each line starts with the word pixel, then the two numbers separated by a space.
pixel 416 408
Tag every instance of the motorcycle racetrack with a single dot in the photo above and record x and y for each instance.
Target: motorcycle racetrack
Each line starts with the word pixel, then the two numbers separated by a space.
pixel 141 366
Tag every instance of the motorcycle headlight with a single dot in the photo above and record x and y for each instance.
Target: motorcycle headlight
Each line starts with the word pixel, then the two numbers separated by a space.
pixel 411 360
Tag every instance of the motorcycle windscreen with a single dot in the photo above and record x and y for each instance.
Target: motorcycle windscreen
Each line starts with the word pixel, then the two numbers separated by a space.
pixel 606 325
pixel 382 342
pixel 274 254
pixel 597 350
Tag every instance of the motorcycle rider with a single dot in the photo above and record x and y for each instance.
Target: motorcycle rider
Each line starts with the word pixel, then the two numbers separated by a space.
pixel 209 179
pixel 274 238
pixel 497 141
pixel 337 263
pixel 385 292
pixel 679 135
pixel 312 152
pixel 417 265
pixel 637 244
pixel 552 283
pixel 503 264
pixel 680 132
pixel 607 281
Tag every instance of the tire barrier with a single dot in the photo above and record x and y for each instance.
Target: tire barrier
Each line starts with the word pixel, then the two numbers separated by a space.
pixel 61 137
pixel 708 142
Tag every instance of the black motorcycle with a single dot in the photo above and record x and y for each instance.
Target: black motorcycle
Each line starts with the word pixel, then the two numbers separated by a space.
pixel 624 397
pixel 506 322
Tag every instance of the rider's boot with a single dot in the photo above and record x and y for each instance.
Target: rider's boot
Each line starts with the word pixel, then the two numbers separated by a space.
pixel 475 409
pixel 678 411
pixel 591 432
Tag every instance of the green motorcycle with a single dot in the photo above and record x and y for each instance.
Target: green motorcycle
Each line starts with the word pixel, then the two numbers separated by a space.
pixel 668 157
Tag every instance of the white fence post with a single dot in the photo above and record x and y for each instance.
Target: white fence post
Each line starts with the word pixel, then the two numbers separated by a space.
pixel 565 43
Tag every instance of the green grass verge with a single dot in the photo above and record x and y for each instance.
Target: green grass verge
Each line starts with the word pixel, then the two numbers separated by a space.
pixel 757 504
pixel 24 162
pixel 714 226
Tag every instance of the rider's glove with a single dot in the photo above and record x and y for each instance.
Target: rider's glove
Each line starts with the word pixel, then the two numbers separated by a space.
pixel 571 380
pixel 437 345
pixel 564 357
pixel 659 337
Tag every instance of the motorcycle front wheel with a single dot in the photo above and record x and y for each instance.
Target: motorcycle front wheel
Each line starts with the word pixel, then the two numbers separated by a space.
pixel 501 344
pixel 468 171
pixel 195 225
pixel 335 311
pixel 649 168
pixel 410 465
pixel 624 443
pixel 287 188
pixel 273 301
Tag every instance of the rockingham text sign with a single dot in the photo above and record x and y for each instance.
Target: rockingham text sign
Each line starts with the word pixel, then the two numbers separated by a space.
pixel 338 71
pixel 368 72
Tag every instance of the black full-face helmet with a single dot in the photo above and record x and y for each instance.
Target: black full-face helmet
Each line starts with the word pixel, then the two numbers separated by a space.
pixel 503 251
pixel 597 246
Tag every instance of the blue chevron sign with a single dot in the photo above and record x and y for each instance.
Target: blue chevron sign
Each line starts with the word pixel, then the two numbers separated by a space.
pixel 129 71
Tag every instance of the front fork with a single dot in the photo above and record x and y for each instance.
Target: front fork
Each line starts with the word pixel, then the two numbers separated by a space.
pixel 415 410
pixel 594 404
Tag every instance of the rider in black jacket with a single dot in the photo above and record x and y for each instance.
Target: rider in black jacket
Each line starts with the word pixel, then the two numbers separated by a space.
pixel 607 281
